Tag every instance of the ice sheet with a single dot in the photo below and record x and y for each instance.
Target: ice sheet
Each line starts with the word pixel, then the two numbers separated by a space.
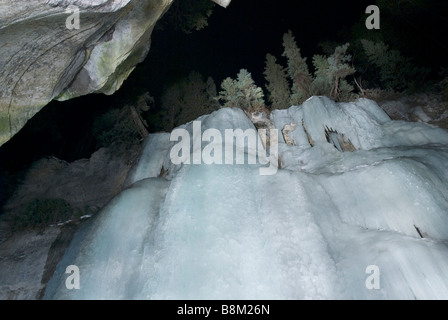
pixel 311 231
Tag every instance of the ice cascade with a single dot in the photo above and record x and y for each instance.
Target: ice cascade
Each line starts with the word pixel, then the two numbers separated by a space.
pixel 366 224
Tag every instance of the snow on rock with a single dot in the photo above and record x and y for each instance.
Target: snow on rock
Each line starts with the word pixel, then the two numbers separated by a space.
pixel 314 230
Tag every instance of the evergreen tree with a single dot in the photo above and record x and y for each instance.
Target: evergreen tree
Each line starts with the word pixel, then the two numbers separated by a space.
pixel 242 92
pixel 277 83
pixel 321 84
pixel 297 70
pixel 330 74
pixel 188 99
pixel 230 94
pixel 339 69
pixel 397 72
pixel 187 15
pixel 211 90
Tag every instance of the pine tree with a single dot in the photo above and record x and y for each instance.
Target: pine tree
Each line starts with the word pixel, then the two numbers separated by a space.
pixel 321 84
pixel 397 72
pixel 339 69
pixel 211 89
pixel 297 70
pixel 187 15
pixel 188 99
pixel 242 92
pixel 230 94
pixel 330 74
pixel 277 83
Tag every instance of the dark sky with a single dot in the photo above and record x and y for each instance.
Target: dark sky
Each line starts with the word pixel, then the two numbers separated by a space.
pixel 241 35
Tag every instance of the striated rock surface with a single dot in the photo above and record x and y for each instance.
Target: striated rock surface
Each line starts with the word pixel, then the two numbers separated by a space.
pixel 85 183
pixel 28 257
pixel 45 56
pixel 23 259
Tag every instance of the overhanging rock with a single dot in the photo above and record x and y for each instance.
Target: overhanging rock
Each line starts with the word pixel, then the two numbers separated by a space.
pixel 222 3
pixel 45 56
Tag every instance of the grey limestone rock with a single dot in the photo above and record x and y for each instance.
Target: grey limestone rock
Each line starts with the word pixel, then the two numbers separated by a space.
pixel 45 56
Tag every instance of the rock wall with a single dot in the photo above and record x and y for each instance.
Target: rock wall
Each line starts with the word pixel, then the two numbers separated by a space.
pixel 42 59
pixel 85 183
pixel 28 258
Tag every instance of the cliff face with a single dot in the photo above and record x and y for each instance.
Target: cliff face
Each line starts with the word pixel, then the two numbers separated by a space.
pixel 60 49
pixel 28 257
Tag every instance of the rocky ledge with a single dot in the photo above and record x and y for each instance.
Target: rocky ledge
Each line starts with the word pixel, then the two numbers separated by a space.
pixel 60 49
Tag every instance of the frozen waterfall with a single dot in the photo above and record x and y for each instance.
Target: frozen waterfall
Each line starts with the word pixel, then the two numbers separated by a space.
pixel 367 224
